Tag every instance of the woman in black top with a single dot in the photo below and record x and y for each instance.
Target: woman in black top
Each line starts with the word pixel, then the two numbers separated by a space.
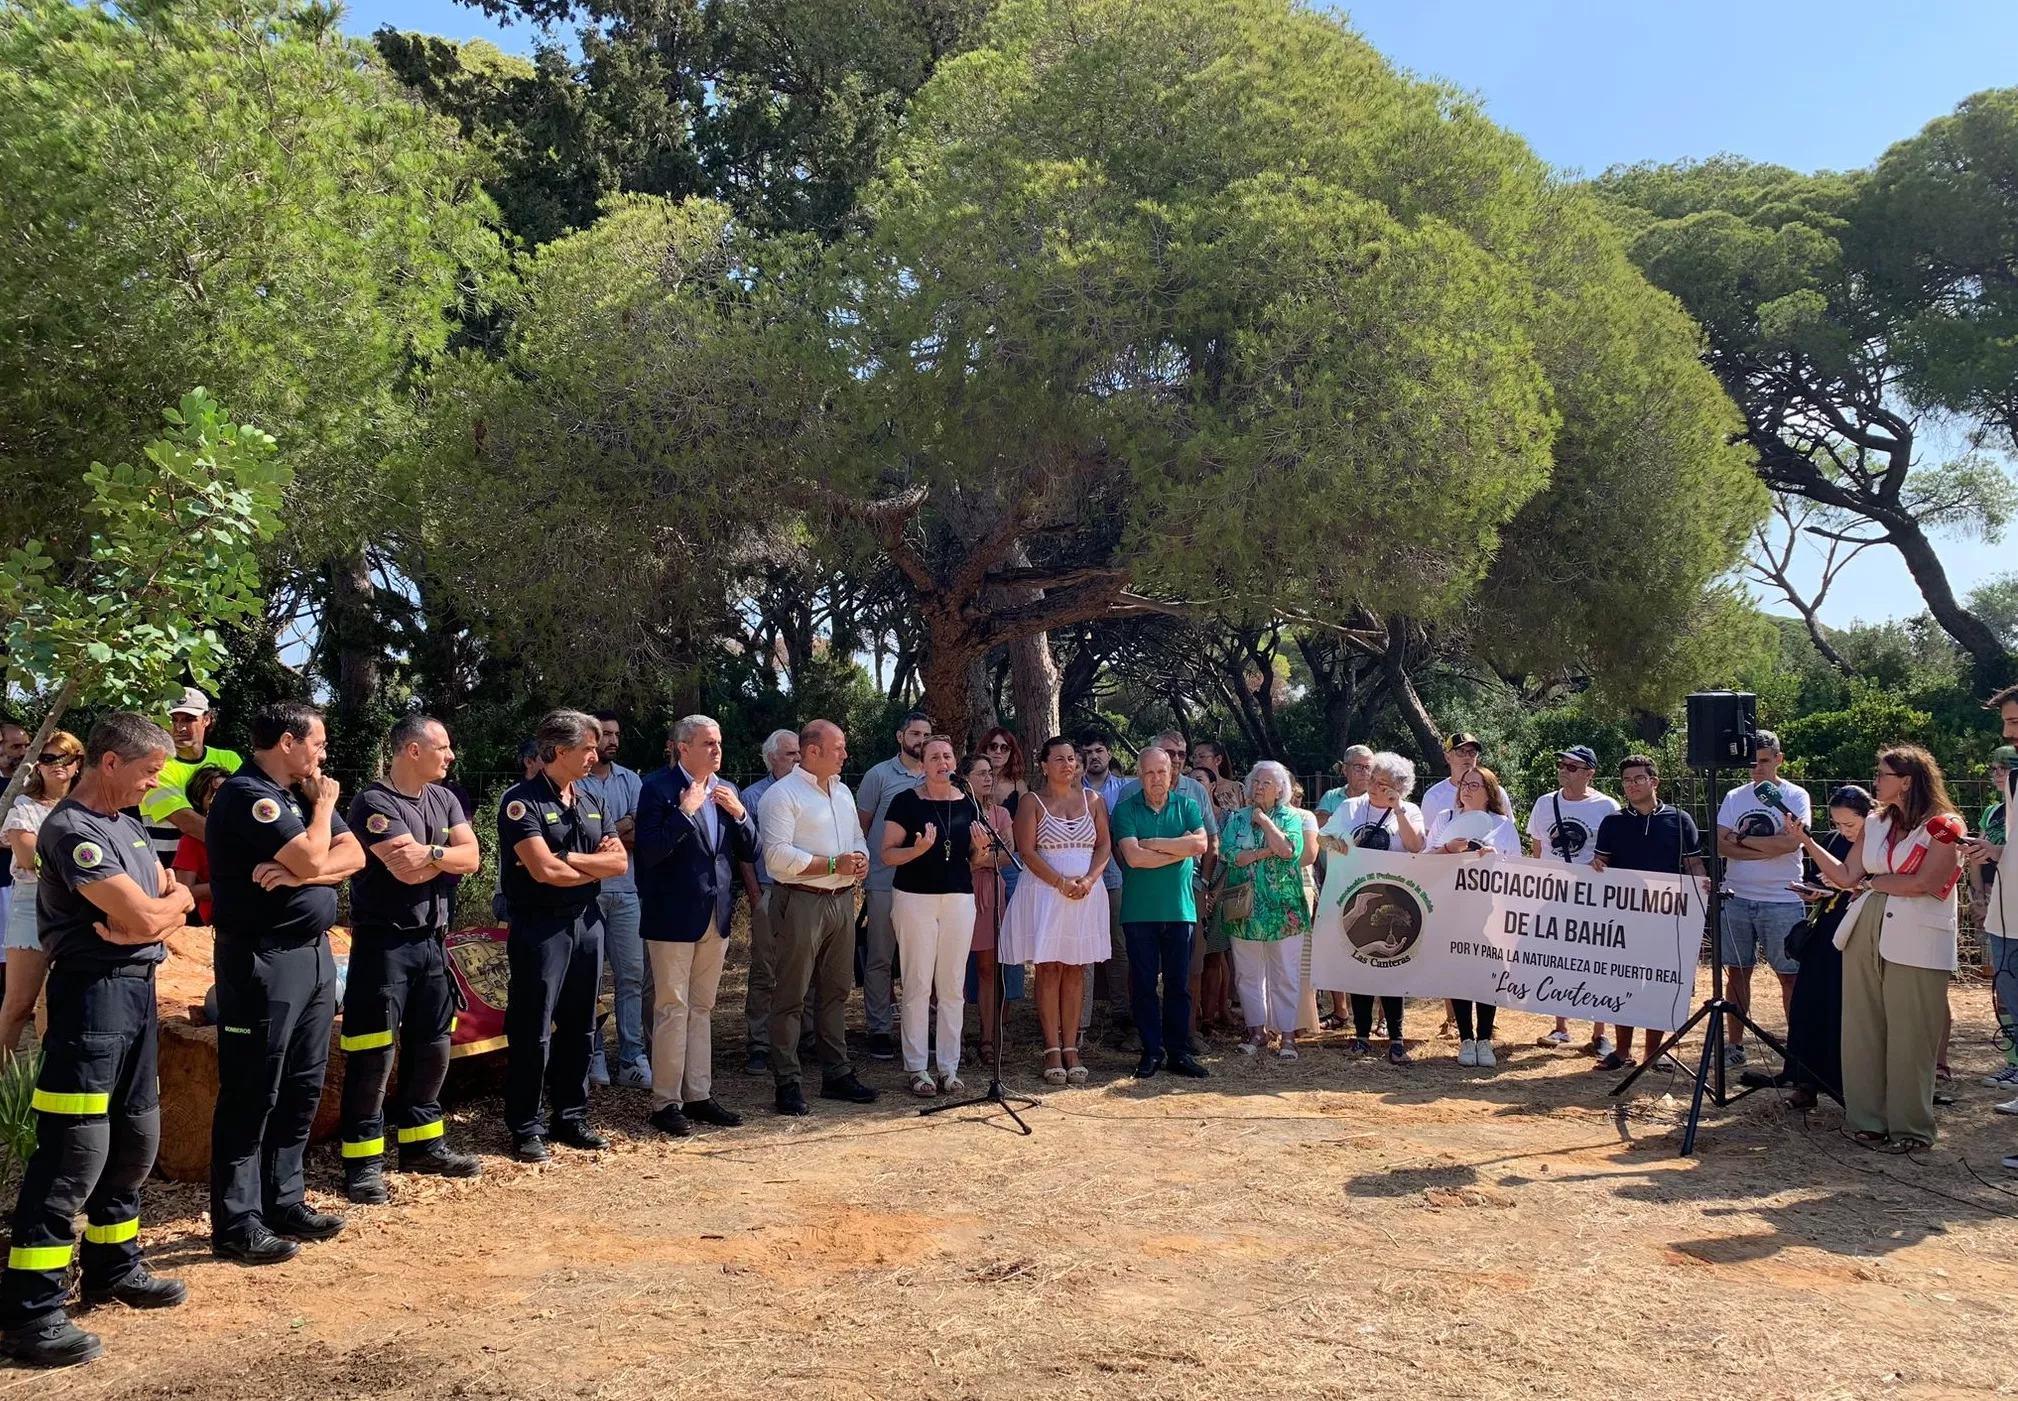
pixel 1815 1015
pixel 930 836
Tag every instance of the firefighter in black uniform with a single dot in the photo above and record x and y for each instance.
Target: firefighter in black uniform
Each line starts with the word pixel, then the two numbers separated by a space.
pixel 104 902
pixel 553 853
pixel 277 853
pixel 399 990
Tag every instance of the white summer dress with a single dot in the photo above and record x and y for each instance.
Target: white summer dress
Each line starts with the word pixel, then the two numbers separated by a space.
pixel 1042 926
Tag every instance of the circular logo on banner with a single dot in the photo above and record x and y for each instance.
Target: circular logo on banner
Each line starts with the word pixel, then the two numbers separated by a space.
pixel 265 810
pixel 515 809
pixel 1758 823
pixel 1383 924
pixel 1568 836
pixel 378 824
pixel 88 854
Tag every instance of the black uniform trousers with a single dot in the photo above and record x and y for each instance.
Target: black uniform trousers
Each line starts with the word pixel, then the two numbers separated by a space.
pixel 275 1008
pixel 398 993
pixel 556 962
pixel 98 1122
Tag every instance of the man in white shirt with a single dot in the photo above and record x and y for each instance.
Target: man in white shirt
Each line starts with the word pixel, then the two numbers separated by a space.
pixel 1564 827
pixel 1461 753
pixel 1762 860
pixel 813 847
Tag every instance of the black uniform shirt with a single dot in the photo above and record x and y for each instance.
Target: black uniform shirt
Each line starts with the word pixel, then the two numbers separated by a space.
pixel 250 820
pixel 75 848
pixel 534 809
pixel 379 900
pixel 1660 840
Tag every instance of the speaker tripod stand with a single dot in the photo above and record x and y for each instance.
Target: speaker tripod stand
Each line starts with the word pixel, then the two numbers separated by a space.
pixel 1709 1076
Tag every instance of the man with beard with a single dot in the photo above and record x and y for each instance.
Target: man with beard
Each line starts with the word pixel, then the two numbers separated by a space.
pixel 1564 827
pixel 901 771
pixel 1762 860
pixel 399 991
pixel 614 791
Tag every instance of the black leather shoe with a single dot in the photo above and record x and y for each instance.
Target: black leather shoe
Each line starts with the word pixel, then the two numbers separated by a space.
pixel 709 1111
pixel 57 1343
pixel 792 1100
pixel 1189 1067
pixel 530 1149
pixel 364 1181
pixel 850 1089
pixel 440 1162
pixel 1148 1066
pixel 577 1135
pixel 882 1045
pixel 258 1246
pixel 671 1120
pixel 141 1289
pixel 298 1222
pixel 758 1062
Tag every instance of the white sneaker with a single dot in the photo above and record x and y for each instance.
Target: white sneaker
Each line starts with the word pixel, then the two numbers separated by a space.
pixel 635 1076
pixel 1734 1054
pixel 599 1070
pixel 2009 1106
pixel 1603 1047
pixel 2012 1162
pixel 1486 1059
pixel 2006 1077
pixel 1558 1037
pixel 1467 1053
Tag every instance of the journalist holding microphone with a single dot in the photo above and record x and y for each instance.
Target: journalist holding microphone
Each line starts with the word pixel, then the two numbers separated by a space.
pixel 1899 948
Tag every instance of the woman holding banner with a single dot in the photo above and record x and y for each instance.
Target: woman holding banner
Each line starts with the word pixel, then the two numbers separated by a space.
pixel 1898 940
pixel 1262 846
pixel 1481 821
pixel 1381 819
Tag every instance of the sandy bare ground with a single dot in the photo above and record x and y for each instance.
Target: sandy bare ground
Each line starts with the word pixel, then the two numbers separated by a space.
pixel 1330 1228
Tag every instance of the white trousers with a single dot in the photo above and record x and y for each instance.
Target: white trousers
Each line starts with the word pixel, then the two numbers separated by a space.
pixel 1269 974
pixel 684 980
pixel 934 935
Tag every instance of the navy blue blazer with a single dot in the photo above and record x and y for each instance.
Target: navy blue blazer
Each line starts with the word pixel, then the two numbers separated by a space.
pixel 682 879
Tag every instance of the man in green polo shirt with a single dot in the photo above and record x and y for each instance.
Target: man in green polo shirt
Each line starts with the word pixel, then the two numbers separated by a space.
pixel 165 810
pixel 1159 836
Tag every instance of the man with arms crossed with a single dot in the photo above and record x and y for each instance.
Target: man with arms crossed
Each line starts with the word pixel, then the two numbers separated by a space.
pixel 902 770
pixel 1160 835
pixel 1763 860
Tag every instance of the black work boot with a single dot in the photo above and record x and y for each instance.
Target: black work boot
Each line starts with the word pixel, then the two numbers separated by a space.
pixel 140 1289
pixel 55 1343
pixel 364 1181
pixel 437 1161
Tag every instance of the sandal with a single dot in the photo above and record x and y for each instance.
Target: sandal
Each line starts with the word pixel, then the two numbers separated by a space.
pixel 1906 1143
pixel 1254 1042
pixel 988 1053
pixel 923 1085
pixel 1054 1074
pixel 1075 1074
pixel 1869 1139
pixel 952 1085
pixel 1287 1051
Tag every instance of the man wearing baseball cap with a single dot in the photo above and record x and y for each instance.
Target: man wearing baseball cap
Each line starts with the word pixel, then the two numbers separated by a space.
pixel 1461 754
pixel 166 810
pixel 1564 827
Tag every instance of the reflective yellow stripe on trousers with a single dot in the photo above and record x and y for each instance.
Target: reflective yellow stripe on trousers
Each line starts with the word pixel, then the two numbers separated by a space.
pixel 55 1102
pixel 39 1257
pixel 368 1041
pixel 421 1134
pixel 115 1233
pixel 369 1148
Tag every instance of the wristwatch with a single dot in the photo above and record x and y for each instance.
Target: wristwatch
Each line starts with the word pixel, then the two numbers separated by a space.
pixel 435 853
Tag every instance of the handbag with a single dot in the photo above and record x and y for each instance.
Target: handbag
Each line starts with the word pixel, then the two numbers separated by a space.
pixel 1236 903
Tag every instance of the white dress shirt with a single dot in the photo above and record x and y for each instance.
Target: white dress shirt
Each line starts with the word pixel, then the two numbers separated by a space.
pixel 797 824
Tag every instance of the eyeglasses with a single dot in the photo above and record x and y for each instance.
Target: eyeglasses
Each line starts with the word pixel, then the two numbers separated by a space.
pixel 1566 767
pixel 1472 786
pixel 1890 773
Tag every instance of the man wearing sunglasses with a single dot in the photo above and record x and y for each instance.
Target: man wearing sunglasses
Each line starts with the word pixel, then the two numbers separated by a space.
pixel 1564 827
pixel 1762 861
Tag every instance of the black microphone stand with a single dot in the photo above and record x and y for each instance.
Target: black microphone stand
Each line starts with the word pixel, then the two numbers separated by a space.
pixel 996 1093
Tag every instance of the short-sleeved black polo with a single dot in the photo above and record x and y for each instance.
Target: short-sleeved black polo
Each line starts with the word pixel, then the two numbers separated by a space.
pixel 78 847
pixel 381 902
pixel 250 820
pixel 1649 841
pixel 534 809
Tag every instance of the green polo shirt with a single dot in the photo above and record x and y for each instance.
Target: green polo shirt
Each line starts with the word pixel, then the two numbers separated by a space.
pixel 1161 895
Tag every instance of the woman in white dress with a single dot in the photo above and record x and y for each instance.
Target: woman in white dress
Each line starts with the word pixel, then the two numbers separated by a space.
pixel 1058 919
pixel 1481 821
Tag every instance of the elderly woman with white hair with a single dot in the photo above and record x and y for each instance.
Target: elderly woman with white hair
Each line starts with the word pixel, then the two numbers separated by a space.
pixel 1263 909
pixel 1381 819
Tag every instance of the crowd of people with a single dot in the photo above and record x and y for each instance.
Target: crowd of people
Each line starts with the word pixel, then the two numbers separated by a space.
pixel 1173 896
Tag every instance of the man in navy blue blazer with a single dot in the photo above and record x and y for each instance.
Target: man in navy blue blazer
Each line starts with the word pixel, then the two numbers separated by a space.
pixel 692 829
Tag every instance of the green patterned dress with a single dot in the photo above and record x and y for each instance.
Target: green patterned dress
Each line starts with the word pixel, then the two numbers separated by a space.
pixel 1280 911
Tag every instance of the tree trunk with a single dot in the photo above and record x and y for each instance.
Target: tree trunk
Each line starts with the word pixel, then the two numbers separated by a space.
pixel 981 716
pixel 950 660
pixel 1407 700
pixel 352 630
pixel 1991 664
pixel 1033 689
pixel 19 781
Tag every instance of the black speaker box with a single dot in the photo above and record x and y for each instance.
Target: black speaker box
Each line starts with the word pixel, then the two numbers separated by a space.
pixel 1721 726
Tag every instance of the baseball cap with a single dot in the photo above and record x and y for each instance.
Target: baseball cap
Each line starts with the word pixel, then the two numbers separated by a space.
pixel 193 702
pixel 1461 740
pixel 2005 755
pixel 1581 754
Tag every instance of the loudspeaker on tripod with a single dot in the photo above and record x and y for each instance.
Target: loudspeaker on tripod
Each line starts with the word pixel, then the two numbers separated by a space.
pixel 1721 727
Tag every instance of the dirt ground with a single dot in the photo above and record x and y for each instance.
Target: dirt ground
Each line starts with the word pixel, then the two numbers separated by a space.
pixel 1325 1228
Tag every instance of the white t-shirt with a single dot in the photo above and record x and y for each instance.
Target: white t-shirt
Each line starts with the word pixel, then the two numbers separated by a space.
pixel 1359 823
pixel 1492 829
pixel 27 815
pixel 1743 813
pixel 1442 798
pixel 1580 819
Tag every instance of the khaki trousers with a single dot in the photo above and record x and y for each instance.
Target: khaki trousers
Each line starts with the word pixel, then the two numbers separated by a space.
pixel 1893 1014
pixel 684 979
pixel 814 939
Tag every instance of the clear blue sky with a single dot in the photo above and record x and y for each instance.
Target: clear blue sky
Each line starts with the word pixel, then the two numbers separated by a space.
pixel 1812 84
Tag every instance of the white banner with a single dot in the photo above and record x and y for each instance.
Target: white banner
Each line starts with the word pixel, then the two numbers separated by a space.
pixel 1611 946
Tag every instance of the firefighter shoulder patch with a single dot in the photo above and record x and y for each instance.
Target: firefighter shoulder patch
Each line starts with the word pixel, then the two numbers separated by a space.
pixel 378 824
pixel 515 809
pixel 87 855
pixel 265 810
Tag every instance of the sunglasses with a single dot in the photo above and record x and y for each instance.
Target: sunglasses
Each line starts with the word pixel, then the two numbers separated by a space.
pixel 57 758
pixel 997 744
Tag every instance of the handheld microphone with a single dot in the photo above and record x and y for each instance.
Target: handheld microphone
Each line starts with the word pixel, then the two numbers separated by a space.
pixel 1769 794
pixel 1946 828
